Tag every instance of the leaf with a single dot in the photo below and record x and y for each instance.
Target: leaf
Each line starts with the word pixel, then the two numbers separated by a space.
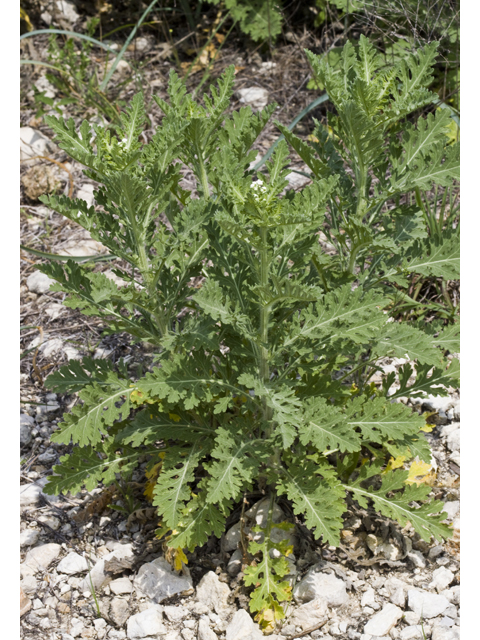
pixel 418 472
pixel 326 427
pixel 76 375
pixel 426 519
pixel 320 501
pixel 431 258
pixel 402 340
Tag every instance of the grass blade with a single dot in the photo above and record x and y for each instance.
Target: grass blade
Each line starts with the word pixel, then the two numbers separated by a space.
pixel 99 257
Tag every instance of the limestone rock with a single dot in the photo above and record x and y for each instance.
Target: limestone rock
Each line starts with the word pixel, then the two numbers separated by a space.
pixel 204 631
pixel 39 282
pixel 147 623
pixel 308 615
pixel 321 585
pixel 29 537
pixel 213 593
pixel 442 578
pixel 119 611
pixel 72 564
pixel 383 621
pixel 242 627
pixel 41 557
pixel 427 605
pixel 120 585
pixel 25 603
pixel 157 581
pixel 254 96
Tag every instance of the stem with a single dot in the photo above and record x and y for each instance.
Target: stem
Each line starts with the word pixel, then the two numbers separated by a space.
pixel 203 177
pixel 264 312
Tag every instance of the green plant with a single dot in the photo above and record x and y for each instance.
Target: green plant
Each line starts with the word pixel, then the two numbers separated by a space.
pixel 259 19
pixel 265 342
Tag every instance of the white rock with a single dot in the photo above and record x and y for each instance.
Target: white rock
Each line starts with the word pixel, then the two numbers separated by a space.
pixel 86 193
pixel 411 618
pixel 321 585
pixel 442 633
pixel 308 615
pixel 452 508
pixel 204 631
pixel 38 282
pixel 30 493
pixel 213 593
pixel 427 605
pixel 87 247
pixel 96 575
pixel 29 585
pixel 453 440
pixel 259 512
pixel 452 594
pixel 33 143
pixel 175 613
pixel 120 585
pixel 41 557
pixel 384 620
pixel 54 310
pixel 121 558
pixel 242 627
pixel 43 85
pixel 50 521
pixel 368 599
pixel 72 564
pixel 147 623
pixel 254 96
pixel 411 633
pixel 437 403
pixel 68 10
pixel 157 581
pixel 25 431
pixel 49 456
pixel 26 420
pixel 119 611
pixel 417 558
pixel 297 180
pixel 398 597
pixel 442 578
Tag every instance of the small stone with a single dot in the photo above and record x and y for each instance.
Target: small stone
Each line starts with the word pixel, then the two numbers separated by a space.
pixel 29 537
pixel 417 558
pixel 213 593
pixel 86 193
pixel 51 521
pixel 443 633
pixel 382 622
pixel 232 537
pixel 38 282
pixel 25 603
pixel 435 552
pixel 157 581
pixel 120 586
pixel 199 608
pixel 242 627
pixel 452 508
pixel 321 585
pixel 96 575
pixel 33 143
pixel 39 180
pixel 67 10
pixel 175 614
pixel 29 585
pixel 235 563
pixel 119 611
pixel 452 595
pixel 453 440
pixel 411 618
pixel 368 599
pixel 254 96
pixel 310 614
pixel 72 564
pixel 41 557
pixel 411 633
pixel 147 623
pixel 204 631
pixel 437 403
pixel 121 558
pixel 442 578
pixel 427 605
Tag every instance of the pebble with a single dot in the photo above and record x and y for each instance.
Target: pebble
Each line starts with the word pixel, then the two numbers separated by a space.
pixel 321 585
pixel 29 585
pixel 254 96
pixel 72 564
pixel 147 623
pixel 235 563
pixel 411 633
pixel 437 403
pixel 452 594
pixel 442 633
pixel 26 425
pixel 41 557
pixel 86 193
pixel 442 578
pixel 157 581
pixel 242 627
pixel 427 605
pixel 384 620
pixel 33 143
pixel 54 310
pixel 51 521
pixel 68 10
pixel 50 455
pixel 452 508
pixel 175 614
pixel 308 615
pixel 120 586
pixel 368 599
pixel 119 611
pixel 232 537
pixel 417 558
pixel 39 283
pixel 204 631
pixel 25 603
pixel 453 441
pixel 213 593
pixel 121 558
pixel 29 537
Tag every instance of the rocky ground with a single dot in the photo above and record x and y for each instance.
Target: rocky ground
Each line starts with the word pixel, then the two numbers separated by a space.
pixel 382 583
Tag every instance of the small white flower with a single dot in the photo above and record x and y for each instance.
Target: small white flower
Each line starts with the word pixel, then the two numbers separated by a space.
pixel 79 214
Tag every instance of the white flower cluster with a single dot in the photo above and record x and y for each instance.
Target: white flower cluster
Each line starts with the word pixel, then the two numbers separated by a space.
pixel 259 188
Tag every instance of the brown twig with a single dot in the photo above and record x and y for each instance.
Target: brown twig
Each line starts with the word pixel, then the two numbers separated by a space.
pixel 304 633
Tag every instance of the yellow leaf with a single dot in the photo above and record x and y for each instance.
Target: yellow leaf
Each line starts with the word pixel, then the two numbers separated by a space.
pixel 418 470
pixel 394 463
pixel 179 557
pixel 24 16
pixel 174 417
